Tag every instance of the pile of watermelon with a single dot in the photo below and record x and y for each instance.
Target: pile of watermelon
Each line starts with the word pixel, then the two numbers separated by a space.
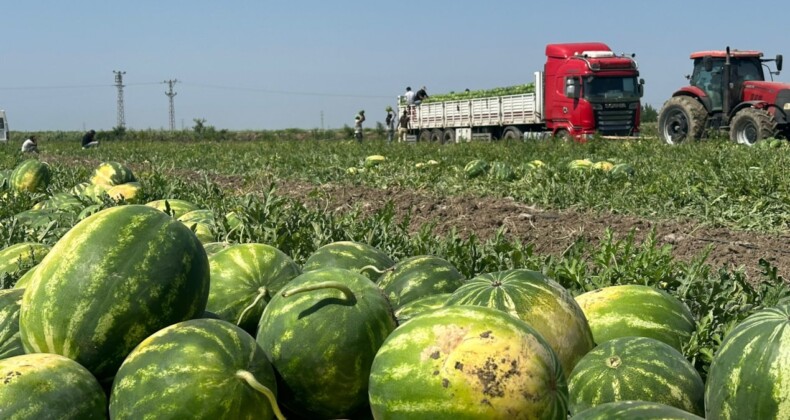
pixel 138 312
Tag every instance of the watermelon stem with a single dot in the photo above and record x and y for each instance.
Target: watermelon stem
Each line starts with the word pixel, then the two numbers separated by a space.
pixel 372 268
pixel 251 381
pixel 262 291
pixel 320 286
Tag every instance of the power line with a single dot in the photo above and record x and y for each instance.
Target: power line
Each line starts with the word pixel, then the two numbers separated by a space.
pixel 284 92
pixel 72 86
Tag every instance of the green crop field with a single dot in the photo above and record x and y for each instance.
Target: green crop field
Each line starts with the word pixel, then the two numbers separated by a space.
pixel 706 222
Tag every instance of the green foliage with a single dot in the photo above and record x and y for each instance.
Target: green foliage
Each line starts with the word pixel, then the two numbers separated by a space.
pixel 483 93
pixel 648 114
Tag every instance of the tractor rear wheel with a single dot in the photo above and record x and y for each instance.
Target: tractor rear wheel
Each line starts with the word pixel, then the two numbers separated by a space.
pixel 682 118
pixel 751 125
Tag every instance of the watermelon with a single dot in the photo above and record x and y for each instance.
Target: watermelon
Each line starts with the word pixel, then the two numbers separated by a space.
pixel 637 310
pixel 321 332
pixel 244 278
pixel 417 277
pixel 603 166
pixel 90 191
pixel 420 306
pixel 475 168
pixel 578 164
pixel 202 221
pixel 748 377
pixel 374 160
pixel 635 368
pixel 31 175
pixel 49 387
pixel 203 368
pixel 110 174
pixel 622 169
pixel 10 343
pixel 21 256
pixel 354 256
pixel 177 207
pixel 41 218
pixel 61 201
pixel 629 410
pixel 129 192
pixel 111 281
pixel 467 362
pixel 502 171
pixel 537 300
pixel 25 279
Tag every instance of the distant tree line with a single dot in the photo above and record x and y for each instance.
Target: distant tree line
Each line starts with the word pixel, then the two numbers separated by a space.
pixel 649 114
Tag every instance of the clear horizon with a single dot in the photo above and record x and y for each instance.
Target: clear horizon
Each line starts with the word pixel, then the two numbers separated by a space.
pixel 247 65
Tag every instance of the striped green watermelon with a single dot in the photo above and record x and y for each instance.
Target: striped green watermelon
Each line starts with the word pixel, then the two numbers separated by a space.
pixel 41 218
pixel 61 201
pixel 622 169
pixel 198 369
pixel 750 374
pixel 89 191
pixel 636 310
pixel 630 410
pixel 354 256
pixel 31 175
pixel 467 362
pixel 111 281
pixel 49 387
pixel 110 174
pixel 202 221
pixel 475 168
pixel 417 277
pixel 10 343
pixel 244 278
pixel 20 256
pixel 635 368
pixel 537 300
pixel 321 332
pixel 22 282
pixel 420 306
pixel 502 171
pixel 177 207
pixel 374 160
pixel 130 192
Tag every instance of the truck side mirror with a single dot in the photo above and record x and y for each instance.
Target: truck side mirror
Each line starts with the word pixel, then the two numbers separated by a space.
pixel 778 62
pixel 572 87
pixel 707 62
pixel 641 87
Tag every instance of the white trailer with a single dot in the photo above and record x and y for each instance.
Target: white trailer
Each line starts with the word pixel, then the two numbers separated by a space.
pixel 477 118
pixel 3 127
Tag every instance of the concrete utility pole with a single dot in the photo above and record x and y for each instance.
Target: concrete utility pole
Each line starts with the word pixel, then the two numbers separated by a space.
pixel 170 94
pixel 119 85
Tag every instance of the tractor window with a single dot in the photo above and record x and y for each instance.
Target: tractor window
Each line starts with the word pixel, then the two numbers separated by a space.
pixel 709 81
pixel 744 70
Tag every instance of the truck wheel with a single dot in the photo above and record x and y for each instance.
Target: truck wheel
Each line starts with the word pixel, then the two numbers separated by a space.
pixel 563 135
pixel 424 136
pixel 448 136
pixel 681 118
pixel 751 125
pixel 512 134
pixel 437 136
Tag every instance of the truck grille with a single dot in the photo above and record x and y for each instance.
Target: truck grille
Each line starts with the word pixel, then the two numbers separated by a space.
pixel 615 122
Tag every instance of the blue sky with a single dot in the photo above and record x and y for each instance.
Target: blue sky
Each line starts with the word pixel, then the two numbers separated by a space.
pixel 273 65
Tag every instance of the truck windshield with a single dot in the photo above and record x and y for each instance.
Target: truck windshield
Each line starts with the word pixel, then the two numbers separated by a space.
pixel 602 88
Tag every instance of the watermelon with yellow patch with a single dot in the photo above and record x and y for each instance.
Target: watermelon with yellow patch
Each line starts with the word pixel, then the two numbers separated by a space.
pixel 129 192
pixel 31 175
pixel 110 174
pixel 467 362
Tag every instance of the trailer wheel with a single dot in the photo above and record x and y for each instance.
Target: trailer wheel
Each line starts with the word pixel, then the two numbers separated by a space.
pixel 424 136
pixel 437 136
pixel 751 125
pixel 682 118
pixel 448 136
pixel 512 134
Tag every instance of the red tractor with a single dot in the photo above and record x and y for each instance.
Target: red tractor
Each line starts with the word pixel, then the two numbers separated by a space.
pixel 728 90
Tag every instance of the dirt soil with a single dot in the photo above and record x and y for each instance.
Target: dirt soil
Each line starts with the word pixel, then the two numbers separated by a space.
pixel 552 232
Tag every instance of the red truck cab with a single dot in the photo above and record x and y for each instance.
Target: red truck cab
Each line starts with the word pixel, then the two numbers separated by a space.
pixel 589 89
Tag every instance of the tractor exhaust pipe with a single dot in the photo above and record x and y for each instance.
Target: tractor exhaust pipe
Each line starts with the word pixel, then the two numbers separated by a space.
pixel 725 107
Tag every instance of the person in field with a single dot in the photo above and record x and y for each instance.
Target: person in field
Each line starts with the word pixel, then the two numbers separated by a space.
pixel 89 140
pixel 30 145
pixel 403 126
pixel 358 120
pixel 390 122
